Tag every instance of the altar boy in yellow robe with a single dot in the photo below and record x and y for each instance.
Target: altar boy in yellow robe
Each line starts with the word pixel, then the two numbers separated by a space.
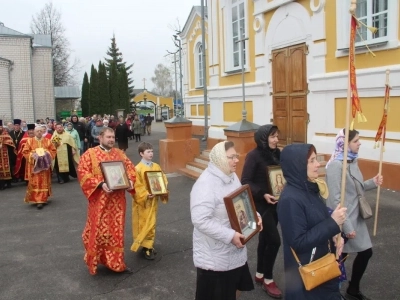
pixel 145 205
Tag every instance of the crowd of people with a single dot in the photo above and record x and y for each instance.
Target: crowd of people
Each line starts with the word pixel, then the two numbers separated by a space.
pixel 308 212
pixel 80 134
pixel 308 209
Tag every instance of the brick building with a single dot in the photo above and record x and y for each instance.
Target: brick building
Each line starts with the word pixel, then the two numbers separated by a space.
pixel 26 76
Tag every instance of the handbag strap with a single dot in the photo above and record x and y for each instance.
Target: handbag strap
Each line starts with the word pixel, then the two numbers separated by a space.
pixel 297 259
pixel 355 183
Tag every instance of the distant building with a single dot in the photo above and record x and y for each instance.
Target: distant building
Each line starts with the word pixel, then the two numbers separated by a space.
pixel 67 101
pixel 26 76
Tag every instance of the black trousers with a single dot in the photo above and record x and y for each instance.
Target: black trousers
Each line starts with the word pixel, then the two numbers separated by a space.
pixel 137 137
pixel 359 266
pixel 269 242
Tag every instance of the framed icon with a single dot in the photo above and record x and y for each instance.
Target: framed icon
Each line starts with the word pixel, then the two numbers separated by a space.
pixel 242 212
pixel 276 181
pixel 114 174
pixel 155 182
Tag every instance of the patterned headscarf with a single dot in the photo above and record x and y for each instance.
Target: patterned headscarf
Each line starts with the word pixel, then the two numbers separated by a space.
pixel 219 159
pixel 339 149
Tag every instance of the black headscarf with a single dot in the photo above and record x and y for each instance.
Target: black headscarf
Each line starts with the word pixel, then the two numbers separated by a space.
pixel 271 156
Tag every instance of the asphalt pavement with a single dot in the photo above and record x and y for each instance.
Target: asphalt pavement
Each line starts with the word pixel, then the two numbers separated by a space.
pixel 41 252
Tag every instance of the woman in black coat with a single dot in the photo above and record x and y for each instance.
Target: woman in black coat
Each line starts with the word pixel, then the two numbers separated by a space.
pixel 121 134
pixel 254 173
pixel 305 222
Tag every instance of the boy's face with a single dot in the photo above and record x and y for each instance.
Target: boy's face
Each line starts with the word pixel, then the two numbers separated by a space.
pixel 147 154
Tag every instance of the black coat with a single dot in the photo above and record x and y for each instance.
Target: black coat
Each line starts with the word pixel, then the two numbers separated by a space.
pixel 81 128
pixel 305 224
pixel 121 134
pixel 255 168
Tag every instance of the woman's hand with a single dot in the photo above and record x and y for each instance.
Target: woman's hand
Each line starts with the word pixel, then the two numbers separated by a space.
pixel 378 179
pixel 351 235
pixel 259 223
pixel 339 247
pixel 270 199
pixel 339 215
pixel 236 240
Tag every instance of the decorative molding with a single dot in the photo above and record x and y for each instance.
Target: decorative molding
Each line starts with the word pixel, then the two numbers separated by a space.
pixel 262 6
pixel 317 8
pixel 258 23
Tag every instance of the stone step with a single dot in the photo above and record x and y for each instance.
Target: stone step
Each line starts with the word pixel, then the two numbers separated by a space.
pixel 195 166
pixel 206 153
pixel 189 173
pixel 202 159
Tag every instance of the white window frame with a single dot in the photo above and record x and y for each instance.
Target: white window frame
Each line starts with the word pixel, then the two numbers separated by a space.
pixel 390 41
pixel 199 65
pixel 229 57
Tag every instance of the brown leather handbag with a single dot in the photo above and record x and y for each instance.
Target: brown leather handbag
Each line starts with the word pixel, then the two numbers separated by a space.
pixel 319 271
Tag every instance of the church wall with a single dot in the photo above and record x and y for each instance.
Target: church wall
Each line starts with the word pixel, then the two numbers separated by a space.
pixel 18 50
pixel 5 104
pixel 43 91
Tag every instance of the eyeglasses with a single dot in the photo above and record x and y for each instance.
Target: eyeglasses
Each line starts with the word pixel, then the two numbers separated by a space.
pixel 233 156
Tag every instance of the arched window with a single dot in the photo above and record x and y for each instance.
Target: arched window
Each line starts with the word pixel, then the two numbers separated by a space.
pixel 199 66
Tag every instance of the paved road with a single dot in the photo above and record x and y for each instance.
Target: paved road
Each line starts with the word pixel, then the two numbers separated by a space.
pixel 41 252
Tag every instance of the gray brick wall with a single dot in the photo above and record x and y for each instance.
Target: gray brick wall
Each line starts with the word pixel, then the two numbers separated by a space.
pixel 18 50
pixel 43 90
pixel 5 104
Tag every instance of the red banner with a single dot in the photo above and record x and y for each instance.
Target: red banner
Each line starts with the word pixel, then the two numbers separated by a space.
pixel 381 133
pixel 355 100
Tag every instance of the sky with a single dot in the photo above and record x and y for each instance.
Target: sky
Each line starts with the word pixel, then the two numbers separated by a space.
pixel 143 29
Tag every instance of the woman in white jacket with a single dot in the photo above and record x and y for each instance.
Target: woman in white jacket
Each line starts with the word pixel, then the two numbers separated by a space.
pixel 218 254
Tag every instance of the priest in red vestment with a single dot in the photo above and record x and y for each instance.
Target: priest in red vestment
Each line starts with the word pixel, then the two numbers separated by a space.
pixel 39 153
pixel 103 236
pixel 20 172
pixel 7 151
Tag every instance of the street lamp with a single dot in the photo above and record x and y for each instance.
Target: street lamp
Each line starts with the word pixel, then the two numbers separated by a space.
pixel 178 39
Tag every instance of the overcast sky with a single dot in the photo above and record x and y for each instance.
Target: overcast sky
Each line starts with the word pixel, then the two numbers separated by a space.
pixel 143 28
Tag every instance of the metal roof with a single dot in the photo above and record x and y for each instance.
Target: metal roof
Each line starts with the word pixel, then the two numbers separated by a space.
pixel 41 40
pixel 8 31
pixel 67 92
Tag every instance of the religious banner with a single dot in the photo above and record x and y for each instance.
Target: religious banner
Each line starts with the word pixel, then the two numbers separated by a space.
pixel 381 133
pixel 355 100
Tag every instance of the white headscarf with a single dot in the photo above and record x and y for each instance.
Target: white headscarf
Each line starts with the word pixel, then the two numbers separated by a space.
pixel 219 159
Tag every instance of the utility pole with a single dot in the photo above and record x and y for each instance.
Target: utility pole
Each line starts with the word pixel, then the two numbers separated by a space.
pixel 176 80
pixel 242 44
pixel 203 42
pixel 177 38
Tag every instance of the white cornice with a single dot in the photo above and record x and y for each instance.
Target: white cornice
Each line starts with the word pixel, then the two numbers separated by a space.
pixel 262 6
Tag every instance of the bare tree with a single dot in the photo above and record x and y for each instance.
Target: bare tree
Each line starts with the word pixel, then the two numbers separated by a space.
pixel 48 21
pixel 162 80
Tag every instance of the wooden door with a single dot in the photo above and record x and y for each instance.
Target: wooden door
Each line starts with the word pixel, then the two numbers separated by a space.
pixel 289 97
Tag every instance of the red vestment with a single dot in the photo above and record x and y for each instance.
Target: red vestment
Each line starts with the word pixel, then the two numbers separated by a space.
pixel 20 171
pixel 39 186
pixel 6 143
pixel 103 236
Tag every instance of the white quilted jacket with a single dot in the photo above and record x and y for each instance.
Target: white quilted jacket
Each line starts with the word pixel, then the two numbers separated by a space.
pixel 212 234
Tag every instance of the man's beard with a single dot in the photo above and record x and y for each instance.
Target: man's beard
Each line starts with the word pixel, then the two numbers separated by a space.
pixel 107 147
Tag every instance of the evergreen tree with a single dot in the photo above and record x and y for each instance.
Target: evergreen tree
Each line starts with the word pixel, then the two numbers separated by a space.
pixel 94 92
pixel 85 96
pixel 103 90
pixel 123 90
pixel 113 87
pixel 115 56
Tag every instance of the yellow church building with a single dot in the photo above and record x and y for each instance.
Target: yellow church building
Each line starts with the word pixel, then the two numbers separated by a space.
pixel 296 70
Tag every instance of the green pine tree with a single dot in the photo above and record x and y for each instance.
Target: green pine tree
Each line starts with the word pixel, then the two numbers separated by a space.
pixel 85 96
pixel 123 90
pixel 113 88
pixel 94 92
pixel 115 56
pixel 104 94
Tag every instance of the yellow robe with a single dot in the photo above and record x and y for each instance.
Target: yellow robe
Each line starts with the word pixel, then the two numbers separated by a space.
pixel 62 153
pixel 144 211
